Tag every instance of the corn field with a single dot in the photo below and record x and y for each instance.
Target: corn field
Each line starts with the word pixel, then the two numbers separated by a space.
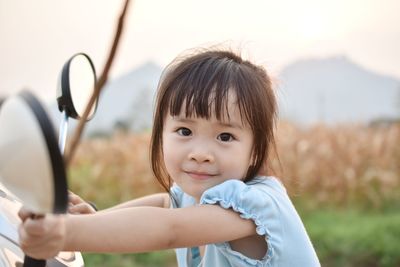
pixel 343 164
pixel 337 165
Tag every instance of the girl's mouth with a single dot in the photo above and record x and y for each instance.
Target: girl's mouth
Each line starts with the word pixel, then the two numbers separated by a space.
pixel 200 175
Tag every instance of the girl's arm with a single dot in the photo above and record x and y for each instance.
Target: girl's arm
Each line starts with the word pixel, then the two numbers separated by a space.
pixel 78 206
pixel 136 229
pixel 160 200
pixel 146 229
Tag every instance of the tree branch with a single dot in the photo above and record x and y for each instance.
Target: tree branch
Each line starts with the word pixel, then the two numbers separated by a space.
pixel 98 87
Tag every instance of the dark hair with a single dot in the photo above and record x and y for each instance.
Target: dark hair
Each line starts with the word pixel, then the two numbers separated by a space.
pixel 202 82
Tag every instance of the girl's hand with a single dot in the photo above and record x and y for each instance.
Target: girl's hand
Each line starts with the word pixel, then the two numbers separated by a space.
pixel 42 237
pixel 77 205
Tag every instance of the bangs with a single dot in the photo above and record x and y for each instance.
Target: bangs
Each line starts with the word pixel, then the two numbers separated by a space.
pixel 207 89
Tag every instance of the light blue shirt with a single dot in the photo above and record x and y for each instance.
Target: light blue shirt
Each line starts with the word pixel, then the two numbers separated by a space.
pixel 265 201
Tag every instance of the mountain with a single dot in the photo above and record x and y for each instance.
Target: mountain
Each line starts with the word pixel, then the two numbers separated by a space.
pixel 332 90
pixel 335 90
pixel 127 101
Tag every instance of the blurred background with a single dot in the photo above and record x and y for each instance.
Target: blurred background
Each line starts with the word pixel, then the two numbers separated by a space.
pixel 336 71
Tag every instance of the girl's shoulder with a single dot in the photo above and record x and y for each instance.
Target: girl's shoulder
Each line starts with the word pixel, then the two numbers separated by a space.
pixel 261 200
pixel 271 184
pixel 261 189
pixel 232 191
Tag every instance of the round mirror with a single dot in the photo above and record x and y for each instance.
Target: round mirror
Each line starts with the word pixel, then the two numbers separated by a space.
pixel 76 86
pixel 31 165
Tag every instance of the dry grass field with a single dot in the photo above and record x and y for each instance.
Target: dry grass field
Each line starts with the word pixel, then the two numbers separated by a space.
pixel 332 165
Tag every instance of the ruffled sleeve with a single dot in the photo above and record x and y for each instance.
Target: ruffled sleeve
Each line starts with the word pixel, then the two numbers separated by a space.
pixel 256 202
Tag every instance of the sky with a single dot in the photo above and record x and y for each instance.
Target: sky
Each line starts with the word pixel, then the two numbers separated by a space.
pixel 37 37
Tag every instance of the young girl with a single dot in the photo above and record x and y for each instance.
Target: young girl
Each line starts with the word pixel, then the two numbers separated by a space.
pixel 213 128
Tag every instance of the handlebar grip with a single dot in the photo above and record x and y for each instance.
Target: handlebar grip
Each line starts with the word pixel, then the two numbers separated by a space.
pixel 31 262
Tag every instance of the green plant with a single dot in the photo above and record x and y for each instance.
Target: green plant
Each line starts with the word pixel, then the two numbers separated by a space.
pixel 348 238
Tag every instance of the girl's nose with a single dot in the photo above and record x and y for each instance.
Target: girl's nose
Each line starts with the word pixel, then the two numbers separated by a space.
pixel 201 154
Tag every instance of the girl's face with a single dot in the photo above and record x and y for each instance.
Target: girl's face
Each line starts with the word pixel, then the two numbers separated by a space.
pixel 200 153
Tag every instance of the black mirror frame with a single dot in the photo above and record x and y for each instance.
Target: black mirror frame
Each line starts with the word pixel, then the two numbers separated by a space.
pixel 65 100
pixel 57 162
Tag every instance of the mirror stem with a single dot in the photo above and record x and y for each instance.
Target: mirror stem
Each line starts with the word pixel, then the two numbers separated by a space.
pixel 63 131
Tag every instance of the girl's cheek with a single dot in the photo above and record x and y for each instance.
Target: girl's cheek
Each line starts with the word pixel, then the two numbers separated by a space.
pixel 169 161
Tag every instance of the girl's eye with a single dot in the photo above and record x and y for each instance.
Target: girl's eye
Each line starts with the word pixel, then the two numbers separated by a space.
pixel 184 131
pixel 225 137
